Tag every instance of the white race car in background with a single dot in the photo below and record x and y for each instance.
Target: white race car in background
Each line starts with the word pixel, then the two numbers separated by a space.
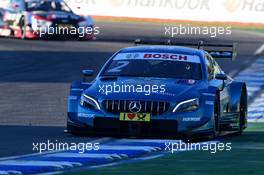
pixel 35 19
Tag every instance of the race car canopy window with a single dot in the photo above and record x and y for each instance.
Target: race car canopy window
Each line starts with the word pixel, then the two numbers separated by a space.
pixel 47 5
pixel 164 65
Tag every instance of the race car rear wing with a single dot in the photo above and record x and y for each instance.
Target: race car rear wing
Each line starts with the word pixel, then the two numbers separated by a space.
pixel 227 51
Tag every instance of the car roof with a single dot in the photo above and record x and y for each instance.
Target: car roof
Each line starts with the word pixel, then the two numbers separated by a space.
pixel 163 49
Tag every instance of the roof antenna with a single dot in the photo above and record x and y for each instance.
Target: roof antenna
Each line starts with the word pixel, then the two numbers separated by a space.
pixel 200 44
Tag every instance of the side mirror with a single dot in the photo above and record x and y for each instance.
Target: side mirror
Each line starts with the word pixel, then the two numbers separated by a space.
pixel 87 73
pixel 221 77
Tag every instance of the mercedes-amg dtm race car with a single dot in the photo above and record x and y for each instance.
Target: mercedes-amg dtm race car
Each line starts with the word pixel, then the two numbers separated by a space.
pixel 35 19
pixel 157 89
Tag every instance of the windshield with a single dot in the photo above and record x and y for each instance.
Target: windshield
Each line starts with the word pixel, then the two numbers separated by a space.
pixel 121 65
pixel 47 6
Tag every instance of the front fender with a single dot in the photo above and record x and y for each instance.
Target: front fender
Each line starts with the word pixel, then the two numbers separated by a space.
pixel 76 90
pixel 236 90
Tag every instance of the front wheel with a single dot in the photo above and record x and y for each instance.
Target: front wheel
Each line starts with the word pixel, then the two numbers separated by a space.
pixel 216 125
pixel 23 29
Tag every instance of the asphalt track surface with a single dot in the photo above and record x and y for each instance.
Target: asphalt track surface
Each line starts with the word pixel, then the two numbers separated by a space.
pixel 36 75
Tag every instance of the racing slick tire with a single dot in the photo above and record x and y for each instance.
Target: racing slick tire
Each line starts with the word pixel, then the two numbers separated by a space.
pixel 215 131
pixel 216 119
pixel 23 29
pixel 242 114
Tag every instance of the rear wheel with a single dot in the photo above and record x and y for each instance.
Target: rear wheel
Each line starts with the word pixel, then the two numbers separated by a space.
pixel 242 114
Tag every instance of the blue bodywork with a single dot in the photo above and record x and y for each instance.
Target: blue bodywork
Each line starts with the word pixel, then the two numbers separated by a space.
pixel 227 94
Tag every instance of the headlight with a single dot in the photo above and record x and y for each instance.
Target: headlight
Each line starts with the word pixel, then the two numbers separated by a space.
pixel 187 105
pixel 89 102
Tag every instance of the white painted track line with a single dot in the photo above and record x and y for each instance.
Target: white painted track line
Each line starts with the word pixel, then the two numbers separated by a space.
pixel 260 50
pixel 58 164
pixel 10 173
pixel 130 148
pixel 86 155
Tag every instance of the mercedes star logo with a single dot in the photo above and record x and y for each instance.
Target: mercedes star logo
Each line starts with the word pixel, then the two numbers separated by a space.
pixel 134 106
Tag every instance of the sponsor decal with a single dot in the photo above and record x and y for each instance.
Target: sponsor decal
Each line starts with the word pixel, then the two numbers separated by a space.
pixel 245 11
pixel 77 89
pixel 166 56
pixel 209 102
pixel 174 4
pixel 72 97
pixel 86 115
pixel 187 81
pixel 158 56
pixel 233 6
pixel 227 54
pixel 209 94
pixel 137 117
pixel 191 119
pixel 116 3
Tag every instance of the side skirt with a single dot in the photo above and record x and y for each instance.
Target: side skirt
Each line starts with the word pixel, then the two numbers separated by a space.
pixel 229 121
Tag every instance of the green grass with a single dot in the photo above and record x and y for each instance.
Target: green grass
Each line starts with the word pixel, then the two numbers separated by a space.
pixel 245 158
pixel 252 29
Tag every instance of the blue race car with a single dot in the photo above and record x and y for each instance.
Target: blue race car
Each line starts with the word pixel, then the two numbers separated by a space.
pixel 160 88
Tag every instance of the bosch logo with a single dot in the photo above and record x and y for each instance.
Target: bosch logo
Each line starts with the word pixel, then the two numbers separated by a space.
pixel 166 56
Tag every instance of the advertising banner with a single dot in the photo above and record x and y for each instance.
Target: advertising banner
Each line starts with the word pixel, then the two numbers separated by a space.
pixel 244 11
